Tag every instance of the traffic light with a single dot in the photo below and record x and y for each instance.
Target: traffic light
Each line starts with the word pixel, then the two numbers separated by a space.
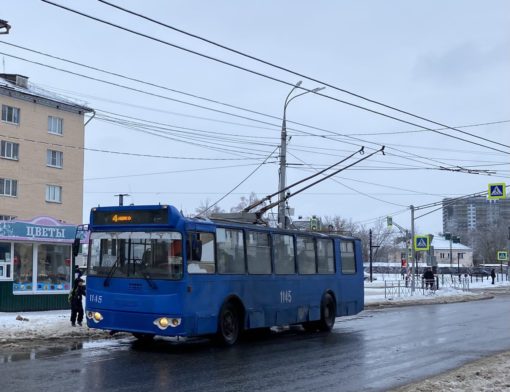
pixel 389 221
pixel 456 239
pixel 314 223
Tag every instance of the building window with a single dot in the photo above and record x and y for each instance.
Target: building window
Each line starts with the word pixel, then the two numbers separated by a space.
pixel 10 114
pixel 54 158
pixel 5 260
pixel 23 267
pixel 55 125
pixel 53 267
pixel 441 255
pixel 54 193
pixel 9 150
pixel 8 187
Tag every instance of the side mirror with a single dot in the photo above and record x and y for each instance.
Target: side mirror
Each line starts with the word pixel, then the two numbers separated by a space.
pixel 76 247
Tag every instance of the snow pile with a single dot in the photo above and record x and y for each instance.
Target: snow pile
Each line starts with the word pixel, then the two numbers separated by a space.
pixel 53 324
pixel 487 374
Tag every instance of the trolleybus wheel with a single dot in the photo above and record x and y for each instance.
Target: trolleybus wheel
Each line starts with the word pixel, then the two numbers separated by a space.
pixel 328 313
pixel 229 324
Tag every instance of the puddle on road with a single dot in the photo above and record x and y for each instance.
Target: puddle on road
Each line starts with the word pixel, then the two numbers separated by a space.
pixel 32 350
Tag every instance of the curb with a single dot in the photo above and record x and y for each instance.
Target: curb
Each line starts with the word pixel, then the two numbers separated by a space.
pixel 432 301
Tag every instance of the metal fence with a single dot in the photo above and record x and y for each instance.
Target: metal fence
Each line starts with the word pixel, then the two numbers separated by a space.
pixel 403 288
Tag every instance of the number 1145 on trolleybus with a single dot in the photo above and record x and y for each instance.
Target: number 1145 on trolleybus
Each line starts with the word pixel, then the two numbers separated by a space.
pixel 152 271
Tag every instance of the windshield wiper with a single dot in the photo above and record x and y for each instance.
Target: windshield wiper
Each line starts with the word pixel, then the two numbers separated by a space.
pixel 106 282
pixel 149 280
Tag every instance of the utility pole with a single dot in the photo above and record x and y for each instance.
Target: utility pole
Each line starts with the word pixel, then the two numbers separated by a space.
pixel 370 251
pixel 282 221
pixel 413 252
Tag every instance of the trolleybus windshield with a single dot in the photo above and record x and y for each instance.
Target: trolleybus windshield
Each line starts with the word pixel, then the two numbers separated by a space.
pixel 157 255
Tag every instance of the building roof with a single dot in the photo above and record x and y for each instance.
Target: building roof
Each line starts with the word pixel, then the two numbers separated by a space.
pixel 10 85
pixel 439 242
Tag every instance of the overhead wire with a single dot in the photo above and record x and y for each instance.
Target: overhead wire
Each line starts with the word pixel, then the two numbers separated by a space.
pixel 293 72
pixel 235 115
pixel 279 80
pixel 238 185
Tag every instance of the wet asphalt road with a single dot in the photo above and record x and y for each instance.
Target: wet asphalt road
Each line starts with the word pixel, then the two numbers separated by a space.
pixel 374 351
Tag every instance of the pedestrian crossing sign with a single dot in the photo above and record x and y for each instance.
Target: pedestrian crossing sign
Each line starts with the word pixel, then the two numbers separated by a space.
pixel 421 242
pixel 497 191
pixel 502 255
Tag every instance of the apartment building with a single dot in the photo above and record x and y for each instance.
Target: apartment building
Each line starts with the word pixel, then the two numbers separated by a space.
pixel 41 194
pixel 41 153
pixel 474 213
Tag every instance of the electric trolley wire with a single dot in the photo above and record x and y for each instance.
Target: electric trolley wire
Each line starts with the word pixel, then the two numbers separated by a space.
pixel 153 173
pixel 293 72
pixel 455 168
pixel 277 79
pixel 121 152
pixel 238 185
pixel 348 187
pixel 273 126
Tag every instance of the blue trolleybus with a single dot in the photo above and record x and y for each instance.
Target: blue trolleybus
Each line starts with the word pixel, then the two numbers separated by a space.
pixel 151 271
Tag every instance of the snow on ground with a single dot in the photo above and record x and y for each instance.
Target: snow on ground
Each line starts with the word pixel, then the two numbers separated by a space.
pixel 488 374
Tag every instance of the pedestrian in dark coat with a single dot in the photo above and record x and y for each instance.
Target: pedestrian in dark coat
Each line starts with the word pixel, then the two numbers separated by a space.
pixel 428 276
pixel 493 275
pixel 75 299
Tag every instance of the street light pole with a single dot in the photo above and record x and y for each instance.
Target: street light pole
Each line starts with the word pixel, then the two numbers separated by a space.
pixel 283 154
pixel 413 252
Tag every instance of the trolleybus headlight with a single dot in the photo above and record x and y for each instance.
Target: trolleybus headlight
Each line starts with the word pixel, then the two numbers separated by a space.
pixel 165 322
pixel 89 314
pixel 97 317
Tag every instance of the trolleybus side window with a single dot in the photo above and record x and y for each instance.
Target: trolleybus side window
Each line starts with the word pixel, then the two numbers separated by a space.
pixel 305 247
pixel 284 260
pixel 347 255
pixel 230 248
pixel 258 251
pixel 325 257
pixel 200 253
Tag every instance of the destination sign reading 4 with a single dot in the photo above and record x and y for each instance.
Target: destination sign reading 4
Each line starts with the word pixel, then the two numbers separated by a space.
pixel 130 217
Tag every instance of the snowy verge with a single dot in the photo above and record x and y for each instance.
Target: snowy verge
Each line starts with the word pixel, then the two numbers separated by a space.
pixel 53 324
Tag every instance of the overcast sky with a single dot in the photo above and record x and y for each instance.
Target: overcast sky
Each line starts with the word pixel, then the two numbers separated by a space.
pixel 446 61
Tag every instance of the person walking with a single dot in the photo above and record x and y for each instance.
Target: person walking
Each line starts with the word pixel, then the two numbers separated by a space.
pixel 428 276
pixel 75 299
pixel 493 275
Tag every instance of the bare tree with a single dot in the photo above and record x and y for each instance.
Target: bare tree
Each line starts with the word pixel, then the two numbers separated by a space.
pixel 382 238
pixel 205 210
pixel 245 202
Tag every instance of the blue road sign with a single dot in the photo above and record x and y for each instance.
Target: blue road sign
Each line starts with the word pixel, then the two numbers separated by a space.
pixel 497 191
pixel 421 242
pixel 502 255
